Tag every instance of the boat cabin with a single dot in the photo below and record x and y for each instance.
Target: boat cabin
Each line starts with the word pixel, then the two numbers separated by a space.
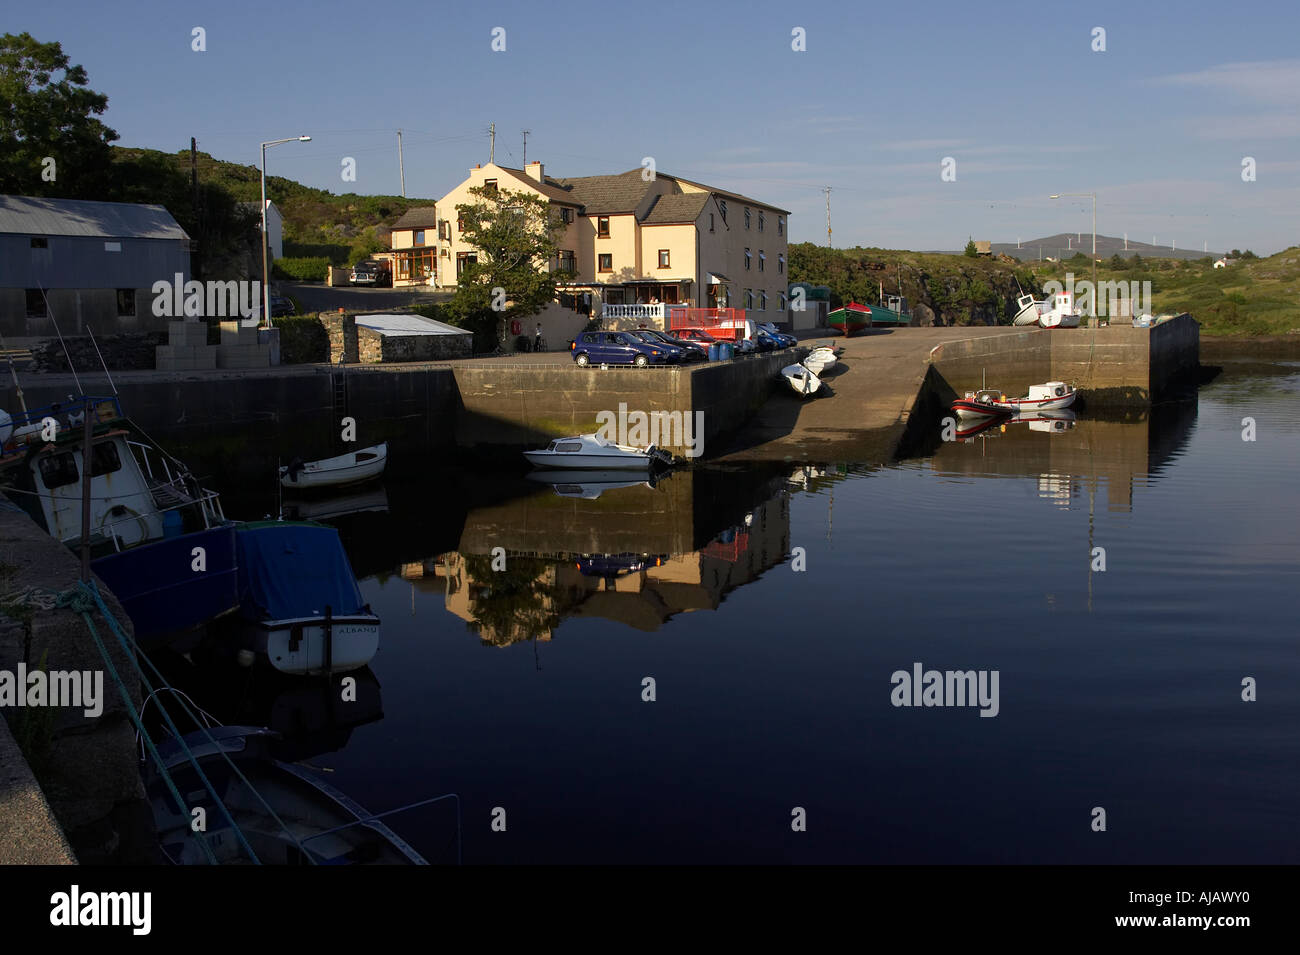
pixel 134 495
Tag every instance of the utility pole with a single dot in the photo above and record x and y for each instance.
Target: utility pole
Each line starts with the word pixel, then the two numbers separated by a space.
pixel 401 166
pixel 1125 241
pixel 526 132
pixel 827 190
pixel 492 139
pixel 194 201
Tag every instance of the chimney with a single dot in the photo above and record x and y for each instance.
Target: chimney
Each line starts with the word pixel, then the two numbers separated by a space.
pixel 536 170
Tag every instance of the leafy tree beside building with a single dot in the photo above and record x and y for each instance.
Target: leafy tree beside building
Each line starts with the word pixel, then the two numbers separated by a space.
pixel 515 235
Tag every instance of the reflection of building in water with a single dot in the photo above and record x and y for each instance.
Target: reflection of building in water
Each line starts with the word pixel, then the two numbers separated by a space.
pixel 534 594
pixel 1056 487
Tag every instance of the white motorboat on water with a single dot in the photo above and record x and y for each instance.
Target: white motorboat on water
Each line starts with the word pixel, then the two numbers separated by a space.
pixel 351 468
pixel 984 403
pixel 988 402
pixel 801 380
pixel 1051 396
pixel 592 452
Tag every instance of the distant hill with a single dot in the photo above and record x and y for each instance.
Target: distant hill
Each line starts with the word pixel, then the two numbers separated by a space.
pixel 342 228
pixel 1065 244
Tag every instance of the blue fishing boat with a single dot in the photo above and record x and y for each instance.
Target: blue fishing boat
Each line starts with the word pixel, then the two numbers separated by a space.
pixel 157 538
pixel 299 603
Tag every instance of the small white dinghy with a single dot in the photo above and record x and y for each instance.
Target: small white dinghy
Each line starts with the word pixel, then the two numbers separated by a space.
pixel 592 452
pixel 351 468
pixel 801 380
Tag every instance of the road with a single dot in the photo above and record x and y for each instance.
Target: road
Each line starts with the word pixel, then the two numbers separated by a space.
pixel 317 297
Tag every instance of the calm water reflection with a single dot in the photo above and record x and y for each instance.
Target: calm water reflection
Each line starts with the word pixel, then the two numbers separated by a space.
pixel 1120 688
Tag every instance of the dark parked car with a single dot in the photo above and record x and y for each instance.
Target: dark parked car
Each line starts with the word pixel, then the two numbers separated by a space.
pixel 281 306
pixel 686 351
pixel 697 335
pixel 372 273
pixel 617 348
pixel 766 342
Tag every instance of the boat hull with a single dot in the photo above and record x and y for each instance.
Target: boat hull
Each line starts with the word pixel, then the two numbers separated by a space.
pixel 584 462
pixel 972 410
pixel 1027 405
pixel 341 471
pixel 161 590
pixel 801 380
pixel 300 647
pixel 1028 315
pixel 849 319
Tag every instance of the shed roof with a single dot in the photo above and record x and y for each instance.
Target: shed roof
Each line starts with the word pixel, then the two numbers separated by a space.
pixel 402 325
pixel 32 215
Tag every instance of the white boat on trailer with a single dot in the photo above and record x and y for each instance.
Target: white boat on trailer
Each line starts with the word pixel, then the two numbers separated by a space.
pixel 592 452
pixel 802 381
pixel 351 468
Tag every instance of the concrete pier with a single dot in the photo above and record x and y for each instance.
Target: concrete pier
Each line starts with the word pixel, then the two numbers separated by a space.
pixel 228 424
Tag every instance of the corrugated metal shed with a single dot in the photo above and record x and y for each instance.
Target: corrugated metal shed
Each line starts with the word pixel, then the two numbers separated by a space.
pixel 29 215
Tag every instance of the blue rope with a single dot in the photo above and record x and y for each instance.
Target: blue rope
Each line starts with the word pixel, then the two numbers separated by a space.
pixel 80 604
pixel 127 644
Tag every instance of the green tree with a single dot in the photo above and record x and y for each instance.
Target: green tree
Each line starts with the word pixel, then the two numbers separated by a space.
pixel 515 236
pixel 970 248
pixel 47 112
pixel 1117 261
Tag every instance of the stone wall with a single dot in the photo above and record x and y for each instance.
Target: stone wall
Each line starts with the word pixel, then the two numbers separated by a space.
pixel 342 329
pixel 121 353
pixel 87 766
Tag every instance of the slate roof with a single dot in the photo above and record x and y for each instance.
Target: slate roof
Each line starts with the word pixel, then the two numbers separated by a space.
pixel 551 188
pixel 421 217
pixel 30 215
pixel 676 208
pixel 607 195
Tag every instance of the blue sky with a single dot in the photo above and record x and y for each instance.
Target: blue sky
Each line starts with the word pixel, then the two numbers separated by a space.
pixel 1157 125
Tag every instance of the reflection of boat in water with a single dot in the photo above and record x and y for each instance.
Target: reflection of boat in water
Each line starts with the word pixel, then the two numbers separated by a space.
pixel 968 428
pixel 149 517
pixel 339 505
pixel 299 601
pixel 355 467
pixel 320 824
pixel 589 485
pixel 1053 422
pixel 592 452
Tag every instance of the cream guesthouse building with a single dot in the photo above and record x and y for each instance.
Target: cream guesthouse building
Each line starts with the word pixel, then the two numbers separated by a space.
pixel 635 241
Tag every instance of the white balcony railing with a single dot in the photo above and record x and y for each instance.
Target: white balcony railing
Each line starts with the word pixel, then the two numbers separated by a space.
pixel 633 311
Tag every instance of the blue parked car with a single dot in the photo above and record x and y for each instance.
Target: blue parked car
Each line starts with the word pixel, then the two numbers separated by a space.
pixel 686 351
pixel 766 342
pixel 618 348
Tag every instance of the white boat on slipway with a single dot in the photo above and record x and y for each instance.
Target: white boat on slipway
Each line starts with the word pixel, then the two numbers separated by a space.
pixel 802 381
pixel 591 451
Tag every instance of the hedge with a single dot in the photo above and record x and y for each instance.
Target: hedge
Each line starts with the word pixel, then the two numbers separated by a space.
pixel 307 269
pixel 303 339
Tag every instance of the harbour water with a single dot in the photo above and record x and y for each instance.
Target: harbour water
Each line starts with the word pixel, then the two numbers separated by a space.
pixel 1121 578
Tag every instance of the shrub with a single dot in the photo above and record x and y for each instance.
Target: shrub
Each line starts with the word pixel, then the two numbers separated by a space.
pixel 303 340
pixel 307 269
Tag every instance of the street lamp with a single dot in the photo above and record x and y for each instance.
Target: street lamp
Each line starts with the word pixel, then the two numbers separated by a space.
pixel 1092 299
pixel 266 288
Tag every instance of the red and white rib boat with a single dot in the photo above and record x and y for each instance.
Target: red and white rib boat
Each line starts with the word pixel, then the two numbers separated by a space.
pixel 985 403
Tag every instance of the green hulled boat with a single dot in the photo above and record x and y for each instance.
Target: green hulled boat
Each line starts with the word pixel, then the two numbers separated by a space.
pixel 850 318
pixel 894 313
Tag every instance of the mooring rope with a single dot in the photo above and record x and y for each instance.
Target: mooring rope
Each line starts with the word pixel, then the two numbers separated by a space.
pixel 133 652
pixel 80 602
